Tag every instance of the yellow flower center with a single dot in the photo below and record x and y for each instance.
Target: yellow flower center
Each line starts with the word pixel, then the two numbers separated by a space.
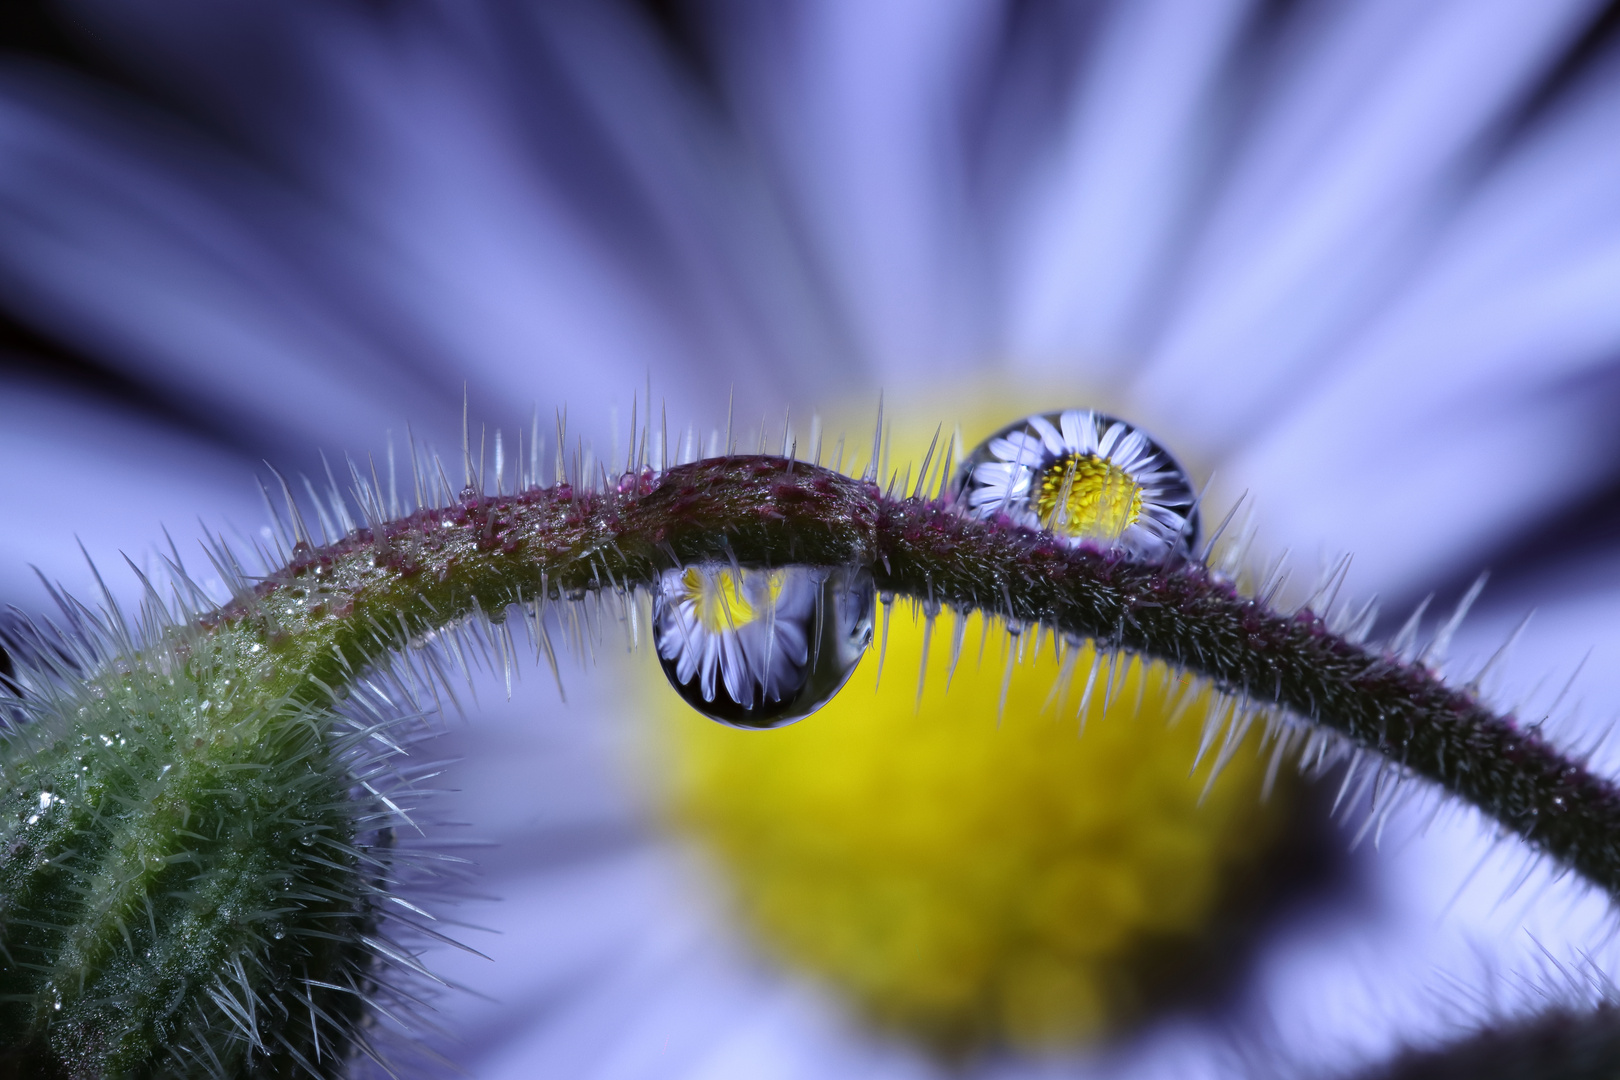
pixel 970 881
pixel 1086 495
pixel 718 600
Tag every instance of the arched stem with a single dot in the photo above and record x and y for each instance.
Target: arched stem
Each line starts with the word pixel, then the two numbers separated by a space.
pixel 336 609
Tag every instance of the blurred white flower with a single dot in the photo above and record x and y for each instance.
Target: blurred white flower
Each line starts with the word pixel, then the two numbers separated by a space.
pixel 1361 259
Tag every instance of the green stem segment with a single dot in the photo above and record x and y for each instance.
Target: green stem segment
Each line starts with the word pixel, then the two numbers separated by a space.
pixel 336 609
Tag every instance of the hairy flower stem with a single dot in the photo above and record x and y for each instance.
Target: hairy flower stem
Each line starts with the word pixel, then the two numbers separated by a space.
pixel 1561 1043
pixel 335 609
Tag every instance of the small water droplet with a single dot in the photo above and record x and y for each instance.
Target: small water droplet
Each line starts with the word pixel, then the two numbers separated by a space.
pixel 1086 477
pixel 279 933
pixel 761 648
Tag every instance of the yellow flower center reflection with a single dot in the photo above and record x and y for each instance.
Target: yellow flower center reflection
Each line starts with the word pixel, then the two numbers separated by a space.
pixel 1085 495
pixel 718 600
pixel 968 881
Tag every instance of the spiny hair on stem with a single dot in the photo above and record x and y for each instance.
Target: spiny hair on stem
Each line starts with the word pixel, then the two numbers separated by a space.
pixel 1554 1021
pixel 1369 787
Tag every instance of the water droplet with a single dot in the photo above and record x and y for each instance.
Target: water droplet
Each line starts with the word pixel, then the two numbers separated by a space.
pixel 761 648
pixel 279 932
pixel 1086 477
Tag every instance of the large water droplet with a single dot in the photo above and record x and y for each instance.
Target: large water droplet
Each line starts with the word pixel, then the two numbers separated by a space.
pixel 1087 477
pixel 761 648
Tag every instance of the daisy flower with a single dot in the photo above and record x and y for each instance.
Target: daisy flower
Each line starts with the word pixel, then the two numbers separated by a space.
pixel 1084 476
pixel 1352 258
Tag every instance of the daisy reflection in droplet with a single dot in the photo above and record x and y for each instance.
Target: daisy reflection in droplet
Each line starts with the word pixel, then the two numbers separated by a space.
pixel 1087 477
pixel 761 648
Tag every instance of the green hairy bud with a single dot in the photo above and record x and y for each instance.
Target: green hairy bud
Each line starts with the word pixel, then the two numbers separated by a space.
pixel 181 866
pixel 196 859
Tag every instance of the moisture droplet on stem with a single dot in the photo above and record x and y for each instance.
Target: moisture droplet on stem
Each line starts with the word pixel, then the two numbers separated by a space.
pixel 1089 478
pixel 761 648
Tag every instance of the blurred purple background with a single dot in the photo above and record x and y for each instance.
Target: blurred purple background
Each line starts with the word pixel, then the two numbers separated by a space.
pixel 1360 259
